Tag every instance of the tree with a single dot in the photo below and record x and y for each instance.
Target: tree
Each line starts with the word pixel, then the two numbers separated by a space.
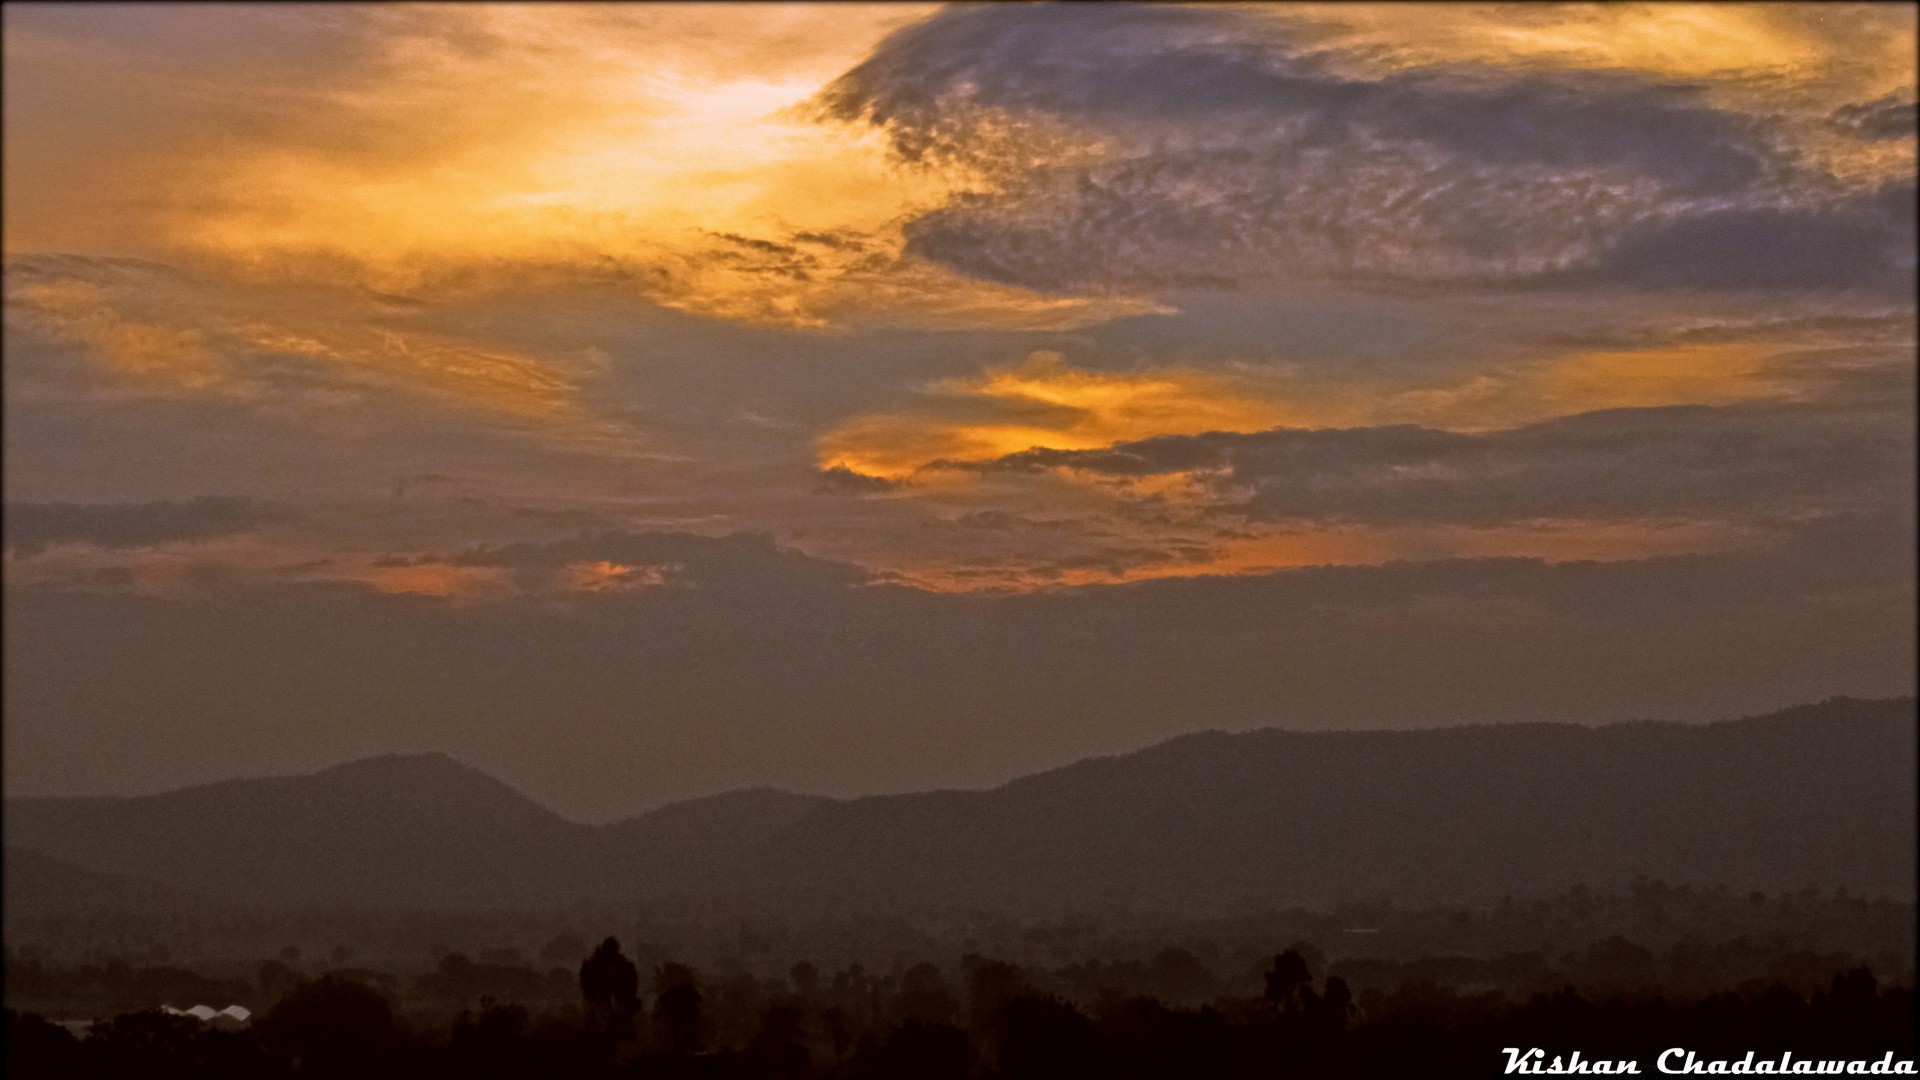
pixel 610 986
pixel 332 1027
pixel 677 1009
pixel 924 996
pixel 806 978
pixel 918 1050
pixel 990 985
pixel 1339 1001
pixel 1046 1037
pixel 276 979
pixel 838 1033
pixel 36 1047
pixel 779 1048
pixel 491 1044
pixel 1287 975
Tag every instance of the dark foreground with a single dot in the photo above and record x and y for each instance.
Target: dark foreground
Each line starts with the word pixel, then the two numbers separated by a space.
pixel 1301 1026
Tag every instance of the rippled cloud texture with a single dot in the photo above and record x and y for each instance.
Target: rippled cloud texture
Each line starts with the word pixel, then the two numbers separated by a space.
pixel 640 401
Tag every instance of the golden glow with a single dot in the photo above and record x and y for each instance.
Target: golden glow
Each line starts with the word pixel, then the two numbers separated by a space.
pixel 1046 404
pixel 556 153
pixel 1704 374
pixel 480 146
pixel 604 576
pixel 1840 52
pixel 1043 404
pixel 1267 551
pixel 168 337
pixel 442 580
pixel 173 355
pixel 471 148
pixel 1794 63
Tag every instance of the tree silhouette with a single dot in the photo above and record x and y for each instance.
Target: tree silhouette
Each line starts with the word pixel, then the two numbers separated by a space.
pixel 1285 978
pixel 1046 1037
pixel 1339 1002
pixel 494 1044
pixel 779 1048
pixel 924 996
pixel 38 1048
pixel 610 985
pixel 1438 1024
pixel 276 979
pixel 676 1011
pixel 838 1033
pixel 332 1027
pixel 918 1050
pixel 990 985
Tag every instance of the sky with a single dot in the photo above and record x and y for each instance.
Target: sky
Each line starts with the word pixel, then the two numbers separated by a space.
pixel 642 401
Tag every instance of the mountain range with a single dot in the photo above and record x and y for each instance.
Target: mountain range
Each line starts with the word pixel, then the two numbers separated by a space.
pixel 1211 823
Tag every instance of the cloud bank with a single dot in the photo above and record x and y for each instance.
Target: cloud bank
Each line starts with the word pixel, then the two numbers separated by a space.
pixel 32 528
pixel 1154 147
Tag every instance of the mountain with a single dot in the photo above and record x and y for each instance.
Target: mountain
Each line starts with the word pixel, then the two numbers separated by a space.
pixel 1211 823
pixel 1219 823
pixel 701 845
pixel 37 884
pixel 412 829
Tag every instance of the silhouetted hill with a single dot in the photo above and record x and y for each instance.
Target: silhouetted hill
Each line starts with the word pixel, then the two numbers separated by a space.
pixel 1207 823
pixel 1219 823
pixel 697 845
pixel 408 828
pixel 37 884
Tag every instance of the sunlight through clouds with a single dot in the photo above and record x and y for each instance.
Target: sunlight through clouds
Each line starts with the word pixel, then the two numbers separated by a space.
pixel 567 249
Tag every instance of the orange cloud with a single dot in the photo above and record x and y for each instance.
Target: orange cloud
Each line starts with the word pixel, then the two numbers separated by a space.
pixel 1267 551
pixel 153 330
pixel 1713 373
pixel 442 580
pixel 492 147
pixel 1176 524
pixel 1043 403
pixel 1792 63
pixel 1046 404
pixel 604 576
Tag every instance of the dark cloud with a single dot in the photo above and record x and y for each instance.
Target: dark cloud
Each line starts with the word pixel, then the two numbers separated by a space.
pixel 1878 120
pixel 1226 151
pixel 843 481
pixel 1741 462
pixel 1877 329
pixel 931 86
pixel 1863 242
pixel 31 528
pixel 1002 521
pixel 745 562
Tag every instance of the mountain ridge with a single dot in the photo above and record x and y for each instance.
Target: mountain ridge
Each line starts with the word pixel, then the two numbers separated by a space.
pixel 1213 821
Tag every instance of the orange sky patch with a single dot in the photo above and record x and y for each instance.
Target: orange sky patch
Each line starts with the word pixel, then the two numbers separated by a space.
pixel 441 580
pixel 1267 552
pixel 1046 404
pixel 1043 404
pixel 604 576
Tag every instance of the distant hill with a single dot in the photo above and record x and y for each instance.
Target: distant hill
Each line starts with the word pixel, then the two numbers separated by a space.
pixel 417 829
pixel 1235 822
pixel 37 884
pixel 1204 824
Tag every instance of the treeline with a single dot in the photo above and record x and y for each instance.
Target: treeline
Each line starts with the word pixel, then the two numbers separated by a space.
pixel 676 1023
pixel 1686 942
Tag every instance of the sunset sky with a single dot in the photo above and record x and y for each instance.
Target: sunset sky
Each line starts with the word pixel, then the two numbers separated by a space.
pixel 639 402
